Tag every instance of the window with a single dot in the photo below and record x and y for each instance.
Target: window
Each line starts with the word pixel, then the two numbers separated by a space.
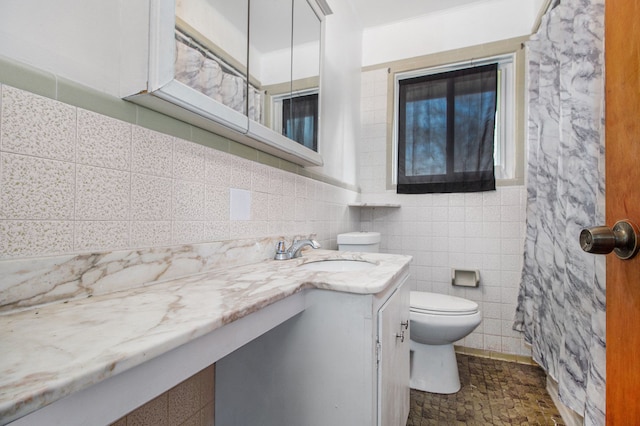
pixel 297 117
pixel 439 146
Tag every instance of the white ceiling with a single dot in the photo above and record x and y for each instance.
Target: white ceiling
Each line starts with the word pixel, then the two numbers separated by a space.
pixel 380 12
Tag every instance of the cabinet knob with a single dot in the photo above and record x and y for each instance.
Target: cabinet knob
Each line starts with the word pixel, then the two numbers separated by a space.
pixel 400 336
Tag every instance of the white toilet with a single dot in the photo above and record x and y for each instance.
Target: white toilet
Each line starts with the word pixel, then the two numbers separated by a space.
pixel 437 321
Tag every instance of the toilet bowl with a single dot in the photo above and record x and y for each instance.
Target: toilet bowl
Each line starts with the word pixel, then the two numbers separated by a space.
pixel 437 321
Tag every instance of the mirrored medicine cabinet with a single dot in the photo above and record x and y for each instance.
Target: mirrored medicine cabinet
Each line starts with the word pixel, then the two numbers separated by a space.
pixel 246 69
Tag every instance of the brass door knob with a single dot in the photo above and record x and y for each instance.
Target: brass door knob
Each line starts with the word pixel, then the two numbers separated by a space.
pixel 622 239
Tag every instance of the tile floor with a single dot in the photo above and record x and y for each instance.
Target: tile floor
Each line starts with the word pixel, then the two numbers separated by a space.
pixel 493 393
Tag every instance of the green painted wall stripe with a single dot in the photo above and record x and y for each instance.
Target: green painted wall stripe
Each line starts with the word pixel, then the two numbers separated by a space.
pixel 27 78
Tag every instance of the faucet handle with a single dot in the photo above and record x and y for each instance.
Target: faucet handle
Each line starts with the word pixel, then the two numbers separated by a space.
pixel 281 251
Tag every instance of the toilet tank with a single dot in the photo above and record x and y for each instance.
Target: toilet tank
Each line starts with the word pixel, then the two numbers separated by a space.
pixel 359 241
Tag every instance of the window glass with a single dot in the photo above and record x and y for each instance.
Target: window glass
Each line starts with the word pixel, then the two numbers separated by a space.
pixel 446 128
pixel 474 122
pixel 425 129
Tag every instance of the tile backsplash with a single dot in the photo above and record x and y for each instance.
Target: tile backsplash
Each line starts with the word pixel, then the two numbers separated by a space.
pixel 73 181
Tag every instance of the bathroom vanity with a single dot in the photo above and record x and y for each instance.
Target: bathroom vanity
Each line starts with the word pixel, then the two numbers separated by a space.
pixel 343 361
pixel 305 346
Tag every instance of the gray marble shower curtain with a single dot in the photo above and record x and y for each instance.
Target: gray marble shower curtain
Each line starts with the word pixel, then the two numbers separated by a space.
pixel 561 305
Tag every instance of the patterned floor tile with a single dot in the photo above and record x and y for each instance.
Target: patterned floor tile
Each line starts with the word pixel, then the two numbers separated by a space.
pixel 493 393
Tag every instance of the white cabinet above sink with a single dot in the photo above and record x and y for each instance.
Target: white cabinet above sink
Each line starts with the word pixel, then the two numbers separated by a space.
pixel 239 69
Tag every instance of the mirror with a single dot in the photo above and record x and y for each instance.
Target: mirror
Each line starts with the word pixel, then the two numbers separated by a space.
pixel 211 50
pixel 270 51
pixel 271 29
pixel 302 109
pixel 286 62
pixel 247 70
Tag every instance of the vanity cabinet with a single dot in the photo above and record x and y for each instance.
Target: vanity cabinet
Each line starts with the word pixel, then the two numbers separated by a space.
pixel 343 361
pixel 235 68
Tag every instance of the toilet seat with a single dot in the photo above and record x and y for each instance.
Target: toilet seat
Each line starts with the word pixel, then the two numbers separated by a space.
pixel 440 304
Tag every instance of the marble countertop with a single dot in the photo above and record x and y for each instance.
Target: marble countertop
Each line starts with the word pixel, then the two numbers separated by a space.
pixel 52 350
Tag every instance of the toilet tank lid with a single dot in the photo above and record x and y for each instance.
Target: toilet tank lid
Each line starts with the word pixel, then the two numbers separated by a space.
pixel 359 238
pixel 435 302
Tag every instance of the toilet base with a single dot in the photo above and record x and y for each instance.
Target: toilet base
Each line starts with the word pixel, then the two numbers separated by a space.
pixel 434 368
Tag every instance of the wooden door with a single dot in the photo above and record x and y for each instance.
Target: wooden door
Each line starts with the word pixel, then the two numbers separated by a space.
pixel 622 53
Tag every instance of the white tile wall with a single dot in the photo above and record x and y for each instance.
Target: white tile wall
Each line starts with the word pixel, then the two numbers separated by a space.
pixel 101 194
pixel 150 197
pixel 38 126
pixel 483 231
pixel 72 180
pixel 37 188
pixel 151 152
pixel 103 141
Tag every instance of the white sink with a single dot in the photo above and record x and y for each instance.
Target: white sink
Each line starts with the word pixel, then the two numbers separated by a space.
pixel 337 265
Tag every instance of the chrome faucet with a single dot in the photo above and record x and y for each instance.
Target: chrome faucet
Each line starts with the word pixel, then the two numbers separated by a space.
pixel 295 249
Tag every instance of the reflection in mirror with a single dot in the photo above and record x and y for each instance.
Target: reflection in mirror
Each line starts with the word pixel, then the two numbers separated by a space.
pixel 300 112
pixel 260 58
pixel 211 51
pixel 287 64
pixel 270 50
pixel 300 118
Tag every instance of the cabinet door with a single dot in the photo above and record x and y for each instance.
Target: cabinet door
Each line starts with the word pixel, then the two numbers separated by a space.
pixel 393 355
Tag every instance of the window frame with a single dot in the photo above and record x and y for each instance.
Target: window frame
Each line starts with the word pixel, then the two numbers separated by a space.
pixel 505 155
